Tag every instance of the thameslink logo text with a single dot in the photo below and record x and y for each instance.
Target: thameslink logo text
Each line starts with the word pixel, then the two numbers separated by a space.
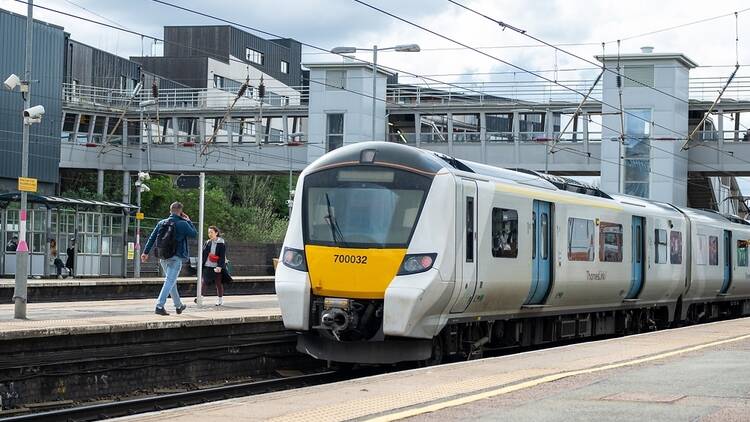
pixel 599 275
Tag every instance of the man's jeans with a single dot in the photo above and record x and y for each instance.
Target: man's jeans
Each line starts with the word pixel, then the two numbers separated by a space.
pixel 171 267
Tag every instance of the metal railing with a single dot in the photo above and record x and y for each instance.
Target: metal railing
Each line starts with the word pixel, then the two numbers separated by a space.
pixel 182 98
pixel 459 93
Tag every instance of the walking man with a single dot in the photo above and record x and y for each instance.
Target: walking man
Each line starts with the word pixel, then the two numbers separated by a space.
pixel 171 238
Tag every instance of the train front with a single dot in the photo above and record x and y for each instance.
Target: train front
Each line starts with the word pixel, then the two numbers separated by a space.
pixel 355 213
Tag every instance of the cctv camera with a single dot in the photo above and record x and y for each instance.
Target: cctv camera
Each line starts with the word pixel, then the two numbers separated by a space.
pixel 12 82
pixel 35 112
pixel 142 175
pixel 145 188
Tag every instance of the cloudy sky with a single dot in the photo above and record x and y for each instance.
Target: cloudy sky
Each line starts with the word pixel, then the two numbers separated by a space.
pixel 330 23
pixel 705 34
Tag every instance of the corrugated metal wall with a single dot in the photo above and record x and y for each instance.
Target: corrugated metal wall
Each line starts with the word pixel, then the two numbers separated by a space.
pixel 93 67
pixel 196 41
pixel 47 68
pixel 190 71
pixel 274 51
pixel 220 42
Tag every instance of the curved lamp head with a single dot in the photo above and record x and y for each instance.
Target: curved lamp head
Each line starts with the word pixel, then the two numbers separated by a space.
pixel 344 50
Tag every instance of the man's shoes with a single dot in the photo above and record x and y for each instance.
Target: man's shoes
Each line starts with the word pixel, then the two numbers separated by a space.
pixel 181 308
pixel 219 301
pixel 162 311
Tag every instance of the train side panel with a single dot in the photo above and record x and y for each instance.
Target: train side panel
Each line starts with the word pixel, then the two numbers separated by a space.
pixel 416 305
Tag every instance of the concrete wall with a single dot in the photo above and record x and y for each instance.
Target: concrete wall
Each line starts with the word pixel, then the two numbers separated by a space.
pixel 668 164
pixel 355 102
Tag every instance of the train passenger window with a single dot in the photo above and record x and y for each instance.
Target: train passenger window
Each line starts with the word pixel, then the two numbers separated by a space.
pixel 660 246
pixel 713 250
pixel 580 239
pixel 469 229
pixel 610 242
pixel 675 247
pixel 742 253
pixel 504 233
pixel 701 257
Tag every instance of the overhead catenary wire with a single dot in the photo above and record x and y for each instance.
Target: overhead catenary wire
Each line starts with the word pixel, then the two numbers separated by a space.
pixel 408 22
pixel 619 75
pixel 358 93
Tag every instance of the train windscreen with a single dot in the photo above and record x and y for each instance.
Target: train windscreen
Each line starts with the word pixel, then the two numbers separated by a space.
pixel 362 206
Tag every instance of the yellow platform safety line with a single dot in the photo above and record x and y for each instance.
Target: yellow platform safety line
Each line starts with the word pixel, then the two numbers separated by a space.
pixel 556 197
pixel 543 380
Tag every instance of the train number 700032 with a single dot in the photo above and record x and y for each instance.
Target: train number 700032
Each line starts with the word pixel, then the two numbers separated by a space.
pixel 350 259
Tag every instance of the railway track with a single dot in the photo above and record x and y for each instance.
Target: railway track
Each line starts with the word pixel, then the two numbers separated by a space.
pixel 113 409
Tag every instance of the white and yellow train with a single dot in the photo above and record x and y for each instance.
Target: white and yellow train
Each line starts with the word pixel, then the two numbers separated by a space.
pixel 399 254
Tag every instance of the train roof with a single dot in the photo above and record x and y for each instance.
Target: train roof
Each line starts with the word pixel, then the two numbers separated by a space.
pixel 431 162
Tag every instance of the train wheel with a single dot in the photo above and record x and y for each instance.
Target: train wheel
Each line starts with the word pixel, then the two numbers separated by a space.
pixel 438 352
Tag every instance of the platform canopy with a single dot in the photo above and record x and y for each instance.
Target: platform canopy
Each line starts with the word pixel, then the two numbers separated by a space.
pixel 51 201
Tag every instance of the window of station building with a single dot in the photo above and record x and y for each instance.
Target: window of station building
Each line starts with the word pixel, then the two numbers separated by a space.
pixel 610 242
pixel 640 76
pixel 742 253
pixel 504 233
pixel 284 67
pixel 660 246
pixel 253 56
pixel 334 131
pixel 713 250
pixel 218 81
pixel 580 239
pixel 335 80
pixel 675 247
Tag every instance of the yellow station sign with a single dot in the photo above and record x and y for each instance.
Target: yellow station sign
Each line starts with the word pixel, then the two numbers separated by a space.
pixel 26 184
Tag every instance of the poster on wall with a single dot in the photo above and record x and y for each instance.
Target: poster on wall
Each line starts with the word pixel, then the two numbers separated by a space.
pixel 131 250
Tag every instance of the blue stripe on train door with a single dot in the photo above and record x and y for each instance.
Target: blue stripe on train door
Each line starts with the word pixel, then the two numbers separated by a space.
pixel 727 262
pixel 541 256
pixel 636 280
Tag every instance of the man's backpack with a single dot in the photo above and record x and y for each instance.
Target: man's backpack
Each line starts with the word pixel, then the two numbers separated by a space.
pixel 166 240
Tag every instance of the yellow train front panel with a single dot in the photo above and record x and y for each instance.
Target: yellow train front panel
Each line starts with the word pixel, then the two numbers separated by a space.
pixel 352 273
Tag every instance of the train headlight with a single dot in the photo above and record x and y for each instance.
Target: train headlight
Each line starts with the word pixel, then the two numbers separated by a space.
pixel 294 258
pixel 416 263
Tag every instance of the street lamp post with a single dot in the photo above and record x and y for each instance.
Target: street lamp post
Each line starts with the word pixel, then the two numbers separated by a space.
pixel 403 48
pixel 30 115
pixel 140 188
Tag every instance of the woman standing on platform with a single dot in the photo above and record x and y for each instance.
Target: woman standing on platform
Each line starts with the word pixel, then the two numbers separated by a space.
pixel 71 254
pixel 214 263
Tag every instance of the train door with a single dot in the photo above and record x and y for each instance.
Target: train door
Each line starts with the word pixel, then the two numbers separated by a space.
pixel 638 259
pixel 466 268
pixel 727 261
pixel 541 253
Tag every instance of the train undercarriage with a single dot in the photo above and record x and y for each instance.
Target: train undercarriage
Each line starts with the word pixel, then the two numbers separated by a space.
pixel 351 331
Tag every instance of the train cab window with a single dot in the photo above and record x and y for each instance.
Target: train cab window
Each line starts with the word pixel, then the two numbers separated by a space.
pixel 713 250
pixel 504 233
pixel 545 235
pixel 660 246
pixel 742 253
pixel 675 247
pixel 580 239
pixel 469 229
pixel 610 242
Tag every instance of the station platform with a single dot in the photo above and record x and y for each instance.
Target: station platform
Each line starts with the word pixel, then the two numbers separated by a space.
pixel 86 289
pixel 108 316
pixel 692 373
pixel 83 351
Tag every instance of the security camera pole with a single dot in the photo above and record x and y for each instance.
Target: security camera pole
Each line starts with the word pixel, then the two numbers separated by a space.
pixel 22 252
